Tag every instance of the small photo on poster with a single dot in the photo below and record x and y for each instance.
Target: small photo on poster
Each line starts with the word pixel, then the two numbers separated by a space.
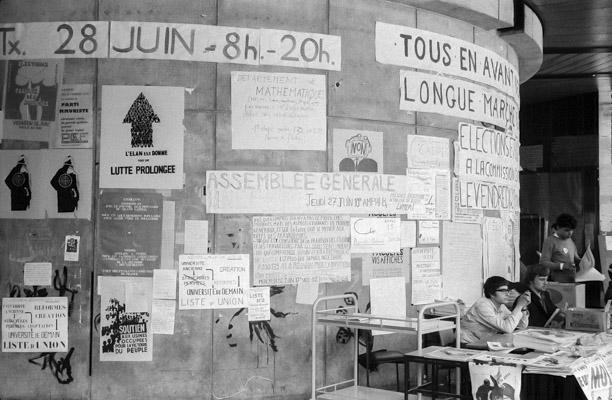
pixel 357 151
pixel 32 97
pixel 71 248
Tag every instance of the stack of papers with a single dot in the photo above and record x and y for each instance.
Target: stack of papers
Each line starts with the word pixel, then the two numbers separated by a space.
pixel 559 363
pixel 546 340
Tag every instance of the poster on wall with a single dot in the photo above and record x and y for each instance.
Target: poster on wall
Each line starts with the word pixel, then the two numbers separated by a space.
pixel 369 235
pixel 278 111
pixel 54 183
pixel 492 381
pixel 129 233
pixel 295 249
pixel 32 93
pixel 211 281
pixel 357 151
pixel 75 117
pixel 426 277
pixel 428 152
pixel 385 265
pixel 141 139
pixel 498 250
pixel 35 324
pixel 2 82
pixel 125 323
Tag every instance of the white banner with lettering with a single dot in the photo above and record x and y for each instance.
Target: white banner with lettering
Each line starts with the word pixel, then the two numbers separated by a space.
pixel 260 192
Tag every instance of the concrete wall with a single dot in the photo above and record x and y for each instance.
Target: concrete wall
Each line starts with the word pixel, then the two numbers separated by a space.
pixel 207 357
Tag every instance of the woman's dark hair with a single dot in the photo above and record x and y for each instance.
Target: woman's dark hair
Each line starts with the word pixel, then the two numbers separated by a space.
pixel 565 221
pixel 534 271
pixel 492 284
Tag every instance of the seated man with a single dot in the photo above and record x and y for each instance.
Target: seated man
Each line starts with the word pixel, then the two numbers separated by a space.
pixel 489 315
pixel 541 307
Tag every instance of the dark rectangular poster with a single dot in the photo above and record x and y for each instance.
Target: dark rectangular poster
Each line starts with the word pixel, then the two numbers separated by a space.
pixel 129 232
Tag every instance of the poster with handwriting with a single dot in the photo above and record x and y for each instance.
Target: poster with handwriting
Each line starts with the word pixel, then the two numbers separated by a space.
pixel 278 111
pixel 358 151
pixel 428 152
pixel 429 232
pixel 259 303
pixel 75 117
pixel 211 281
pixel 426 275
pixel 385 265
pixel 129 233
pixel 32 94
pixel 369 235
pixel 296 249
pixel 125 335
pixel 141 139
pixel 298 192
pixel 35 324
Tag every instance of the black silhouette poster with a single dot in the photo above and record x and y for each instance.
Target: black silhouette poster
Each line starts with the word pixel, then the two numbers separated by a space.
pixel 129 233
pixel 141 142
pixel 358 151
pixel 32 97
pixel 46 183
pixel 125 326
pixel 495 382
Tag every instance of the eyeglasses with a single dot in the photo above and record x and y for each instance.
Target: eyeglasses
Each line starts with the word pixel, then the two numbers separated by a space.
pixel 506 291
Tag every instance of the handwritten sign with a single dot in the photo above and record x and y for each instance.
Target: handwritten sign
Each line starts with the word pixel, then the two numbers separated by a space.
pixel 369 235
pixel 300 49
pixel 295 249
pixel 424 92
pixel 210 281
pixel 462 214
pixel 385 265
pixel 429 232
pixel 426 275
pixel 474 194
pixel 278 111
pixel 73 39
pixel 259 303
pixel 35 324
pixel 420 49
pixel 428 152
pixel 487 155
pixel 37 274
pixel 246 192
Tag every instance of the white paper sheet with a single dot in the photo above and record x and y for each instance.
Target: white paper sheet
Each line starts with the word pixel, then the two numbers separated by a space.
pixel 196 237
pixel 429 232
pixel 388 298
pixel 71 247
pixel 259 303
pixel 162 316
pixel 426 279
pixel 369 235
pixel 462 274
pixel 307 292
pixel 37 274
pixel 408 233
pixel 164 284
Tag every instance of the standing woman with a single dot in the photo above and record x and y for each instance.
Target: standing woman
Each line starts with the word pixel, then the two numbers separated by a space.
pixel 559 251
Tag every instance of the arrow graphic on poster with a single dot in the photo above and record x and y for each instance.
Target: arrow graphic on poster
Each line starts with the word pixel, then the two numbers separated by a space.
pixel 141 115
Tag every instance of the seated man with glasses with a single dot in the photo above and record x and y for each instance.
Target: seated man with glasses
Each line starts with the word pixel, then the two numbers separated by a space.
pixel 489 314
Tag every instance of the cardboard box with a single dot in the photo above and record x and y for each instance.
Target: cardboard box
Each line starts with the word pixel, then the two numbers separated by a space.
pixel 587 319
pixel 572 294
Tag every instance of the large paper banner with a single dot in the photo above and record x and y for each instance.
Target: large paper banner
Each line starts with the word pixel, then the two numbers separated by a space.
pixel 246 192
pixel 75 117
pixel 424 92
pixel 296 249
pixel 369 235
pixel 490 381
pixel 141 144
pixel 32 98
pixel 300 49
pixel 428 152
pixel 420 49
pixel 357 151
pixel 278 111
pixel 35 324
pixel 52 183
pixel 129 232
pixel 70 39
pixel 486 154
pixel 125 320
pixel 208 281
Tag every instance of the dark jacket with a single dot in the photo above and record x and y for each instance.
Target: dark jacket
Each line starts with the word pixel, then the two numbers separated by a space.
pixel 537 314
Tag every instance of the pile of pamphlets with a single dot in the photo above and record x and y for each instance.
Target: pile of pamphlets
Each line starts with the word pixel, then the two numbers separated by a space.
pixel 546 340
pixel 559 363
